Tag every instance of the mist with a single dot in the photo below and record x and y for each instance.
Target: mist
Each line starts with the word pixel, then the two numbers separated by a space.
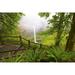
pixel 28 22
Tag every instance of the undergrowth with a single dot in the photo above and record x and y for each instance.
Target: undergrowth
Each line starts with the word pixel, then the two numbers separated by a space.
pixel 53 54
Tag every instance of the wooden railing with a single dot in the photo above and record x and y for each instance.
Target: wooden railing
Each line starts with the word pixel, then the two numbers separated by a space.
pixel 20 41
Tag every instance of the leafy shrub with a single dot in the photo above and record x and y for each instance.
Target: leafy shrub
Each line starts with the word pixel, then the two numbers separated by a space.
pixel 54 54
pixel 60 55
pixel 30 56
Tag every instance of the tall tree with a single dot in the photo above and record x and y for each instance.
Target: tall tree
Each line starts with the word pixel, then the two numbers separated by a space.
pixel 70 45
pixel 60 29
pixel 60 24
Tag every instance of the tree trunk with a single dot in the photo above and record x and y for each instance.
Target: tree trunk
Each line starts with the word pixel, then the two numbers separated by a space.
pixel 70 45
pixel 60 30
pixel 57 43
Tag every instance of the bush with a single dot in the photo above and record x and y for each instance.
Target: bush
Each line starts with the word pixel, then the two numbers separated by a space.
pixel 54 54
pixel 60 55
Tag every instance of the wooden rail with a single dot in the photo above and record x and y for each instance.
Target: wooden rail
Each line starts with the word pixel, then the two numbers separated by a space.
pixel 22 42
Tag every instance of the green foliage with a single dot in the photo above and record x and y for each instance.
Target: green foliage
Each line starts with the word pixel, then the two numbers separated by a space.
pixel 61 24
pixel 9 22
pixel 49 54
pixel 31 55
pixel 48 39
pixel 53 54
pixel 60 55
pixel 61 20
pixel 44 14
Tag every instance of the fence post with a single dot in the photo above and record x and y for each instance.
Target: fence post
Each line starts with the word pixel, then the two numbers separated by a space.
pixel 40 45
pixel 2 42
pixel 28 43
pixel 20 40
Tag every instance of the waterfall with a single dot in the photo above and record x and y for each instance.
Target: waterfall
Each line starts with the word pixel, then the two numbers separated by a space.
pixel 34 30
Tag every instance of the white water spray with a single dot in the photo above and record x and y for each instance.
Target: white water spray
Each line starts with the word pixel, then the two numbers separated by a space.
pixel 31 24
pixel 34 30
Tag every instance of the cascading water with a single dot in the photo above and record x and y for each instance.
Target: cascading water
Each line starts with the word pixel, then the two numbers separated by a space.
pixel 30 25
pixel 34 30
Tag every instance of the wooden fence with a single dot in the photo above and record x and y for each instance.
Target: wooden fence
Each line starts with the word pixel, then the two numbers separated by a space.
pixel 23 44
pixel 17 39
